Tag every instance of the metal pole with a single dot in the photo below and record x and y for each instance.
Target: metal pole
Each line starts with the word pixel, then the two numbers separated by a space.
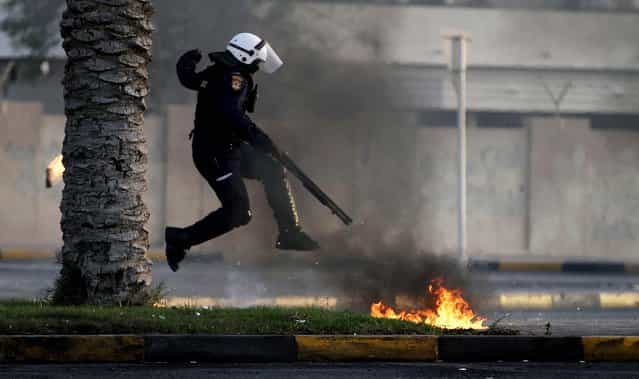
pixel 458 70
pixel 461 146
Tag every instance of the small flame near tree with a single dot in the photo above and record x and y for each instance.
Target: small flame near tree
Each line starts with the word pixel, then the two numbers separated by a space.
pixel 451 311
pixel 55 169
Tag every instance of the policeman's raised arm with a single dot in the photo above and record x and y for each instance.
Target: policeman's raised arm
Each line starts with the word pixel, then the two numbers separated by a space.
pixel 186 69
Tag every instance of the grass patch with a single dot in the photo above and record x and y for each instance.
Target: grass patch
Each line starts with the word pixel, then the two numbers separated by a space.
pixel 29 318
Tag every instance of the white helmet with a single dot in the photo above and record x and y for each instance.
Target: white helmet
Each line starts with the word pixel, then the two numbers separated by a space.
pixel 248 48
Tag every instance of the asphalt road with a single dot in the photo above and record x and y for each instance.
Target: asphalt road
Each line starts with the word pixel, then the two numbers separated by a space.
pixel 351 371
pixel 246 284
pixel 25 279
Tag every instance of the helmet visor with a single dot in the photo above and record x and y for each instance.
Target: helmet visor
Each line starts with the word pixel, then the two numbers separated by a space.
pixel 272 62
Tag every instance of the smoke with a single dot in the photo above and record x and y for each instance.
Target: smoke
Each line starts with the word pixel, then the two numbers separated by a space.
pixel 331 108
pixel 369 263
pixel 346 103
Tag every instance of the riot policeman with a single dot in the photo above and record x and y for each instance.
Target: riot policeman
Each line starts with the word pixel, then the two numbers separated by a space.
pixel 227 146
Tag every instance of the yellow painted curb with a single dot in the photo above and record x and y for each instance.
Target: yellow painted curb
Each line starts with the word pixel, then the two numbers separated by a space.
pixel 574 300
pixel 72 349
pixel 328 302
pixel 530 266
pixel 525 300
pixel 611 348
pixel 20 255
pixel 350 348
pixel 156 255
pixel 619 300
pixel 602 300
pixel 283 301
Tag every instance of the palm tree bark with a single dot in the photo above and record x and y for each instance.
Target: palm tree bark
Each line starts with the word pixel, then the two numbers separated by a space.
pixel 108 45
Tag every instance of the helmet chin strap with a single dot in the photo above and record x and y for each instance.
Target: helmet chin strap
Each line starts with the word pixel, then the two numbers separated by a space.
pixel 254 67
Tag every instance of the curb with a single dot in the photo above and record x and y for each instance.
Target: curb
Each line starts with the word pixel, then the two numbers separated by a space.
pixel 334 348
pixel 574 267
pixel 598 300
pixel 26 255
pixel 95 348
pixel 504 301
pixel 34 255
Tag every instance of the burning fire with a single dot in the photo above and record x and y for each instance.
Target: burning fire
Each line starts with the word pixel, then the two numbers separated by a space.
pixel 451 311
pixel 55 169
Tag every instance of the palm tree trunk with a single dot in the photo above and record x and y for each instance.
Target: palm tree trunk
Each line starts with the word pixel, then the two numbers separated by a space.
pixel 108 44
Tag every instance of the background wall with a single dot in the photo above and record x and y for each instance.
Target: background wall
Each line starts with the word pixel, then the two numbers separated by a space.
pixel 551 188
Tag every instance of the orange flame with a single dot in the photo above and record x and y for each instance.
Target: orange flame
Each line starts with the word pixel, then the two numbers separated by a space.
pixel 451 311
pixel 55 169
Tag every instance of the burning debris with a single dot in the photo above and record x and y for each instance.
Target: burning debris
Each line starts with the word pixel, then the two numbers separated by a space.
pixel 451 311
pixel 55 169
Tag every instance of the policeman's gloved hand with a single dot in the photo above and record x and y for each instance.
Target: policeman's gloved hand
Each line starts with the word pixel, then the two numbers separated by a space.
pixel 251 100
pixel 262 141
pixel 194 55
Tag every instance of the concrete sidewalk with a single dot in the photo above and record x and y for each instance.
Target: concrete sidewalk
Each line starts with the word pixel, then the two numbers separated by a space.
pixel 331 348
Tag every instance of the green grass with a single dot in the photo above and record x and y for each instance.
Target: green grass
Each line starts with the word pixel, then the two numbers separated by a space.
pixel 41 318
pixel 29 318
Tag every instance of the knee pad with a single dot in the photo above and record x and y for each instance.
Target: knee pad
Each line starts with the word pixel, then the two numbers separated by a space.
pixel 239 216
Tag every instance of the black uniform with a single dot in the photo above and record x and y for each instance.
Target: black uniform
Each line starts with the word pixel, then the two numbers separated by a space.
pixel 228 146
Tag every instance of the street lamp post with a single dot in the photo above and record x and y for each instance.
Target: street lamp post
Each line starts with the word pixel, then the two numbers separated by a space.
pixel 459 43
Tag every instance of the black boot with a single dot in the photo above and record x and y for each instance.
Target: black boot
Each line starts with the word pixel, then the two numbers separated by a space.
pixel 280 197
pixel 177 244
pixel 295 239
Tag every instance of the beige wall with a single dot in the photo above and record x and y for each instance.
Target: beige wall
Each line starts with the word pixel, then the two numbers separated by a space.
pixel 496 190
pixel 29 212
pixel 154 128
pixel 20 125
pixel 48 214
pixel 580 198
pixel 584 190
